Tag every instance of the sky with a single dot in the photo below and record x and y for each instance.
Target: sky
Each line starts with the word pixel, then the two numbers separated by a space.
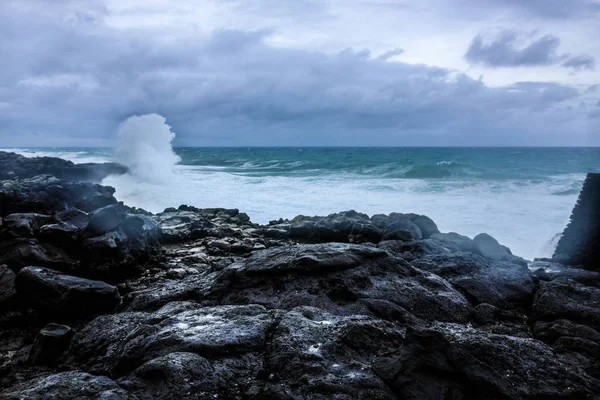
pixel 303 72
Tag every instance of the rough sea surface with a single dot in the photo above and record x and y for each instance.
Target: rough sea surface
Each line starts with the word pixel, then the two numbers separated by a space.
pixel 521 196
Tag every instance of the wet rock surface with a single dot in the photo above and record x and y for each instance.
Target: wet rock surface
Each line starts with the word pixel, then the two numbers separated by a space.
pixel 100 300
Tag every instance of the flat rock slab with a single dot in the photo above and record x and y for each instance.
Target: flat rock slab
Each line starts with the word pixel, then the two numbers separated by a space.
pixel 68 296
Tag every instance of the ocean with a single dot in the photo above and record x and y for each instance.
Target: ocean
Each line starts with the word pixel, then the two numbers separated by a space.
pixel 521 196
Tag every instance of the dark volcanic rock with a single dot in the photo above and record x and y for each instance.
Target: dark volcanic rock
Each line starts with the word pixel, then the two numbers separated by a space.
pixel 339 278
pixel 488 247
pixel 45 194
pixel 106 219
pixel 105 345
pixel 500 283
pixel 24 224
pixel 174 376
pixel 64 295
pixel 450 361
pixel 50 343
pixel 17 166
pixel 565 298
pixel 67 385
pixel 454 241
pixel 318 355
pixel 18 253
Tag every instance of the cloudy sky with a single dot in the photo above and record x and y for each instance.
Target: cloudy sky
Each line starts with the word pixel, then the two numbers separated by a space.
pixel 302 72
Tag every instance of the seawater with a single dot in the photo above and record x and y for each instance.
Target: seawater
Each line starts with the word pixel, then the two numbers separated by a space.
pixel 521 196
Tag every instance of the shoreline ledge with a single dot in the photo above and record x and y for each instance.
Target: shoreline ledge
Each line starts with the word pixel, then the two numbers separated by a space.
pixel 102 300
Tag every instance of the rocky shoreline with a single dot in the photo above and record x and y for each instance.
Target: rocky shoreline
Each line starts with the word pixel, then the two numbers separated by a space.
pixel 101 300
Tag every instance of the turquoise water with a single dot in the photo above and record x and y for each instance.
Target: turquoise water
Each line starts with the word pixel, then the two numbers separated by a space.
pixel 522 196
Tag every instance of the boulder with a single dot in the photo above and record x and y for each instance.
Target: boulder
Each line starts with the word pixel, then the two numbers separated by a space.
pixel 488 247
pixel 454 241
pixel 64 295
pixel 401 229
pixel 105 219
pixel 49 344
pixel 67 385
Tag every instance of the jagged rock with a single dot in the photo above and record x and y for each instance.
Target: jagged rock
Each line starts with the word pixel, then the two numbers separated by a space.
pixel 565 298
pixel 49 344
pixel 339 278
pixel 18 166
pixel 450 361
pixel 67 385
pixel 65 295
pixel 314 354
pixel 177 327
pixel 25 224
pixel 499 283
pixel 7 286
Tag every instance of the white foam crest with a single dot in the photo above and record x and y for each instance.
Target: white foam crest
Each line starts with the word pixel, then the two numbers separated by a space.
pixel 145 147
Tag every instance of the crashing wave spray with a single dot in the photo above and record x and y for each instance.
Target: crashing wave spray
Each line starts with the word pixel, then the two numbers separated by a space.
pixel 144 145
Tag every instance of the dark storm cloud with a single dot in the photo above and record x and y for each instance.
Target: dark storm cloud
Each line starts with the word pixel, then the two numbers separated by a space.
pixel 511 49
pixel 78 77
